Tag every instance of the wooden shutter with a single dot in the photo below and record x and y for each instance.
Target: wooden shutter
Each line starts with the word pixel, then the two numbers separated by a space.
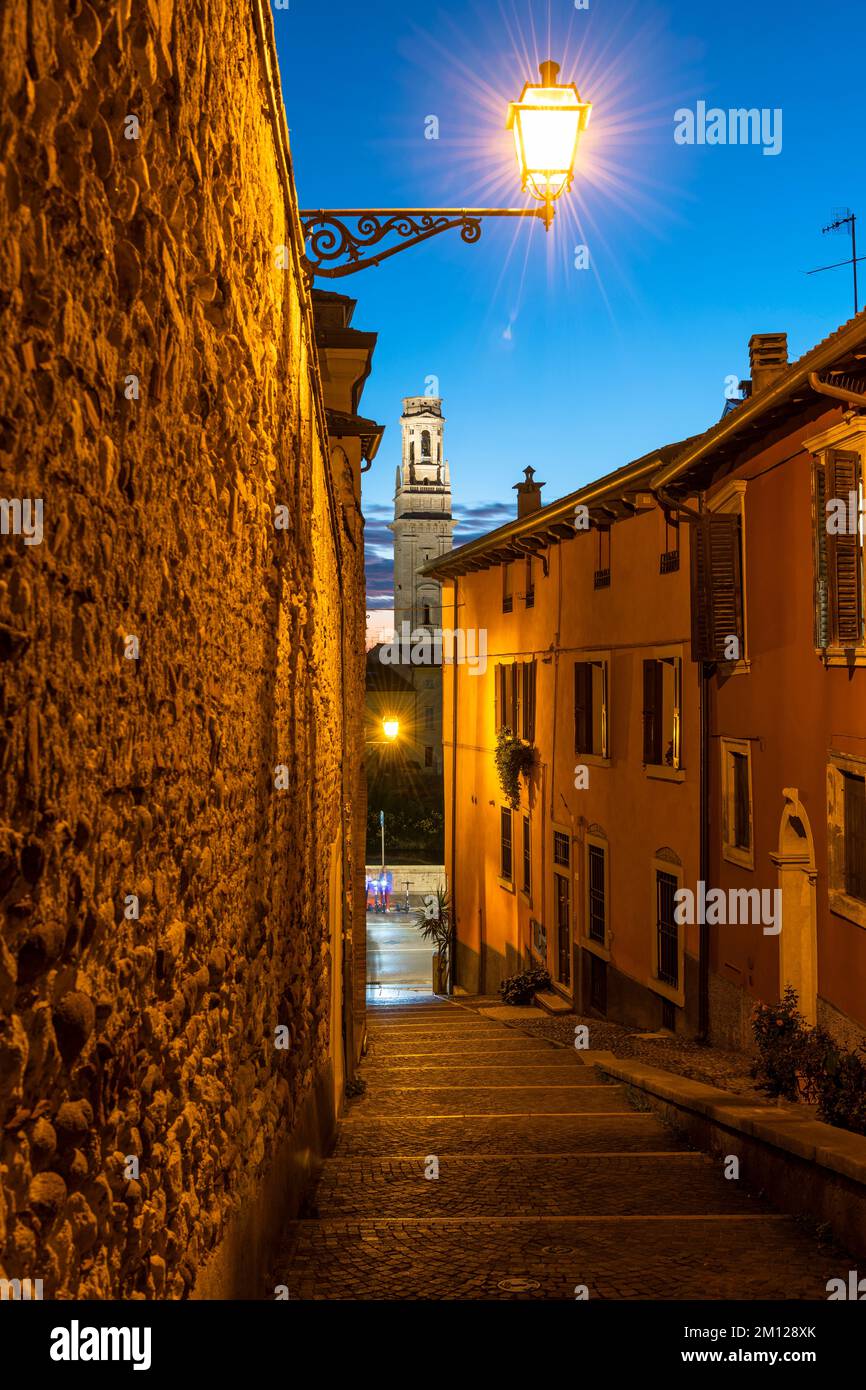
pixel 583 707
pixel 843 551
pixel 652 712
pixel 717 595
pixel 516 699
pixel 823 622
pixel 529 701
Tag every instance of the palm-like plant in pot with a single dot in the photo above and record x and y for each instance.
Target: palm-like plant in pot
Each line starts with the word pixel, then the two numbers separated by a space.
pixel 433 921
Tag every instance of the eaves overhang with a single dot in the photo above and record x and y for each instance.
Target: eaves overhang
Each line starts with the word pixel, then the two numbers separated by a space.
pixel 617 495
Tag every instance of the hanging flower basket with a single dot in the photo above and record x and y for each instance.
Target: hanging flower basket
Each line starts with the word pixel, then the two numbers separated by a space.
pixel 514 759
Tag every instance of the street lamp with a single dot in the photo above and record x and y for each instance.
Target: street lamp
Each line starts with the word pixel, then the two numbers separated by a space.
pixel 547 122
pixel 391 728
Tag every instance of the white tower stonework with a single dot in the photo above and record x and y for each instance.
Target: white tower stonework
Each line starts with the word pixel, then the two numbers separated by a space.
pixel 422 528
pixel 422 512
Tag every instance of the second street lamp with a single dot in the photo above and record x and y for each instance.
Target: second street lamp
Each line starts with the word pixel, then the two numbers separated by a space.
pixel 547 122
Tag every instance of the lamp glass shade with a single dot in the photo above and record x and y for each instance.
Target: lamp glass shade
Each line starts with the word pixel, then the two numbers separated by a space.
pixel 547 122
pixel 391 728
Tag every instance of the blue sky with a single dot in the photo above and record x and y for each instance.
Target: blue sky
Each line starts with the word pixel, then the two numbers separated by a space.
pixel 692 248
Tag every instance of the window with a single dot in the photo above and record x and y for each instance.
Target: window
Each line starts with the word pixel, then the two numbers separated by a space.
pixel 426 618
pixel 737 844
pixel 527 856
pixel 505 855
pixel 669 559
pixel 590 708
pixel 662 680
pixel 561 864
pixel 562 899
pixel 530 586
pixel 855 835
pixel 601 579
pixel 515 698
pixel 717 588
pixel 596 876
pixel 428 757
pixel 667 930
pixel 507 589
pixel 561 848
pixel 428 718
pixel 846 836
pixel 425 444
pixel 838 549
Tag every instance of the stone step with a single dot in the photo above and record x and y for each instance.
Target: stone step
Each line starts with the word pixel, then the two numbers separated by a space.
pixel 603 1184
pixel 491 1075
pixel 494 1045
pixel 634 1131
pixel 519 1101
pixel 533 1257
pixel 489 1062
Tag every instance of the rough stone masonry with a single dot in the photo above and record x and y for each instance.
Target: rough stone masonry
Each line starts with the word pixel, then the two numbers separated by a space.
pixel 165 906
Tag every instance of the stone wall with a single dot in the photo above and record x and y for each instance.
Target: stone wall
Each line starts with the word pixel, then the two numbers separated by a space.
pixel 164 649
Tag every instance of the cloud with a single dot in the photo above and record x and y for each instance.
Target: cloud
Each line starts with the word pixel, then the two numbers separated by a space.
pixel 472 521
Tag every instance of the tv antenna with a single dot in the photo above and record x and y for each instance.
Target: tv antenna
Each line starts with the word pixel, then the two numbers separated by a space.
pixel 843 217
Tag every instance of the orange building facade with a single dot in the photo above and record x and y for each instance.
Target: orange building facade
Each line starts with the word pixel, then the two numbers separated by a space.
pixel 786 716
pixel 588 660
pixel 682 645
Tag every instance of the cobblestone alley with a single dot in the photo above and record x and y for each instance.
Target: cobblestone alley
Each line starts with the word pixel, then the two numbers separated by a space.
pixel 548 1180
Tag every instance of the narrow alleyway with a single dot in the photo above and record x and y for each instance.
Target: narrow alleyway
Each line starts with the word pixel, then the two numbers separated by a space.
pixel 548 1179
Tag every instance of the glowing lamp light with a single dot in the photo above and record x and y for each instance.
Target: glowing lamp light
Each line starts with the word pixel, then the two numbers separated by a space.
pixel 547 122
pixel 391 728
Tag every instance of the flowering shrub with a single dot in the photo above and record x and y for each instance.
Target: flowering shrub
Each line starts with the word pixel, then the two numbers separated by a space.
pixel 800 1062
pixel 780 1035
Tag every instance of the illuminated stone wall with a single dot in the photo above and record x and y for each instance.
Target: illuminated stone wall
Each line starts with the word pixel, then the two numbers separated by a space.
pixel 165 649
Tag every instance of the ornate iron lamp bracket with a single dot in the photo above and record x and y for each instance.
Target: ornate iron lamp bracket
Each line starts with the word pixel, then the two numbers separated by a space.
pixel 337 248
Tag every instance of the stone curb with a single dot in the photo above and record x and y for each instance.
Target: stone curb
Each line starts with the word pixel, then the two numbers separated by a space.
pixel 837 1158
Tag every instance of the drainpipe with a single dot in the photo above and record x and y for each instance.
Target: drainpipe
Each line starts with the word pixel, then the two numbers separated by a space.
pixel 704 854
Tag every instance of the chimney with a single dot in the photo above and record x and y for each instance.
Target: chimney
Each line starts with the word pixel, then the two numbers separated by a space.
pixel 768 358
pixel 528 494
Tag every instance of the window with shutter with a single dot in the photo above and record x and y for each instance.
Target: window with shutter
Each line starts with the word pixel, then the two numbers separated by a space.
pixel 590 708
pixel 717 591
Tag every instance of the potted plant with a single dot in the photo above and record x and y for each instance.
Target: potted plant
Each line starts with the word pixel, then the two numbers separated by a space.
pixel 514 759
pixel 434 923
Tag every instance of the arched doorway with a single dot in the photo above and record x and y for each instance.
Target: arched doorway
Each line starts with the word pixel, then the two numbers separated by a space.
pixel 798 939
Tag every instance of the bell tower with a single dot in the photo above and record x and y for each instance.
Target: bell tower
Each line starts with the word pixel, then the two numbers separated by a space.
pixel 422 523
